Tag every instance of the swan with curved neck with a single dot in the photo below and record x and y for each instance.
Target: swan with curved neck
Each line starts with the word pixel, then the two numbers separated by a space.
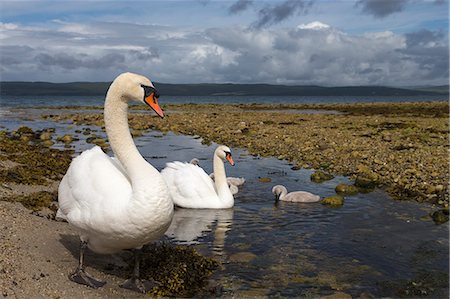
pixel 120 203
pixel 282 194
pixel 191 187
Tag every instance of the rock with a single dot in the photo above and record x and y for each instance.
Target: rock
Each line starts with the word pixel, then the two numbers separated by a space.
pixel 24 131
pixel 99 141
pixel 45 213
pixel 242 257
pixel 265 180
pixel 45 136
pixel 367 180
pixel 25 138
pixel 333 201
pixel 440 217
pixel 66 139
pixel 320 176
pixel 47 143
pixel 242 125
pixel 346 189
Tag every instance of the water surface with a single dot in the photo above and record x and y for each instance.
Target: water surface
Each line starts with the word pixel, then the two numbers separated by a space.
pixel 58 101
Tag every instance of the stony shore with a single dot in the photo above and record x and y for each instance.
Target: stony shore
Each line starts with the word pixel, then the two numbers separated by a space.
pixel 402 147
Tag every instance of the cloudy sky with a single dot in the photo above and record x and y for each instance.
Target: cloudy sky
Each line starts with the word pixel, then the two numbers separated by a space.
pixel 305 42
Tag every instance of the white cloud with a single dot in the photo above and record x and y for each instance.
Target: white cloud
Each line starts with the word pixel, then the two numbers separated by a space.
pixel 313 53
pixel 316 25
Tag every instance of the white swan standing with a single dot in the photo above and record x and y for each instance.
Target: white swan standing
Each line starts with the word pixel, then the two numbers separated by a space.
pixel 282 194
pixel 118 203
pixel 191 187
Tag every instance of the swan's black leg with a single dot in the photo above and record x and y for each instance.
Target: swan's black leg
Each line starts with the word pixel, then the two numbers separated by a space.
pixel 80 276
pixel 135 283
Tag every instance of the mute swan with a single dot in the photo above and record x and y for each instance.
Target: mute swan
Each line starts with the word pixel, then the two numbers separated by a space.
pixel 120 203
pixel 191 187
pixel 298 196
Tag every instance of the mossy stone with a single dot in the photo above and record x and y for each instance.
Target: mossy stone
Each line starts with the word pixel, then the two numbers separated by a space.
pixel 47 143
pixel 24 131
pixel 367 180
pixel 45 136
pixel 334 201
pixel 181 271
pixel 346 189
pixel 265 180
pixel 440 217
pixel 320 176
pixel 66 139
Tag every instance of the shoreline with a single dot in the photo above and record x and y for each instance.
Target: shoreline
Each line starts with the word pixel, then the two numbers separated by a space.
pixel 402 147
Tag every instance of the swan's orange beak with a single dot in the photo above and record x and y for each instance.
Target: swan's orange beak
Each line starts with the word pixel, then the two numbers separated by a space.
pixel 153 103
pixel 229 158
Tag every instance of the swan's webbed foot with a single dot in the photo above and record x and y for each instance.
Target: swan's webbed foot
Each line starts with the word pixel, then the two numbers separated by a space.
pixel 81 277
pixel 139 285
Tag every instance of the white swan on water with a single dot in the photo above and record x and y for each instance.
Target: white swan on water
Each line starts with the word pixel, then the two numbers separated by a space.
pixel 120 203
pixel 282 194
pixel 191 187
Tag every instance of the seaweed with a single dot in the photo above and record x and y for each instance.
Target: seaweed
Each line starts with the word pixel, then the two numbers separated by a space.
pixel 180 270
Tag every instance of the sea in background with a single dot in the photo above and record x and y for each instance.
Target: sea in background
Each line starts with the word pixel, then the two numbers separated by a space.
pixel 59 101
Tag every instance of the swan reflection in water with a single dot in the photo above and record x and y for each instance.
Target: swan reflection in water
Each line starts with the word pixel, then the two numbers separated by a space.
pixel 189 225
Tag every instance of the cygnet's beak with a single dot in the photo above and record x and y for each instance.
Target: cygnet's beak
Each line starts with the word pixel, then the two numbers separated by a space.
pixel 229 158
pixel 153 103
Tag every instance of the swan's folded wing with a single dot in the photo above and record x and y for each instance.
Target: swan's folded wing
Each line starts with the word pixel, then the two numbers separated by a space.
pixel 188 181
pixel 92 183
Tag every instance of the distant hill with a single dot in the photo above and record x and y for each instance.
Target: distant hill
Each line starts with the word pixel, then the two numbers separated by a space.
pixel 441 89
pixel 100 88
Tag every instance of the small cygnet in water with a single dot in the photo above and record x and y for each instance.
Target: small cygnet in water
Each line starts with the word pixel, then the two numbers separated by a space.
pixel 233 183
pixel 281 193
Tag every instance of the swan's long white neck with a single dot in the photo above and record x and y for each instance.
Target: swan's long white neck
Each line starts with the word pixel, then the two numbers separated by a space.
pixel 116 124
pixel 220 180
pixel 283 192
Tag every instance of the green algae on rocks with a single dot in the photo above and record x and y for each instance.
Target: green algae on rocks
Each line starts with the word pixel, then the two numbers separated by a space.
pixel 35 201
pixel 346 189
pixel 333 201
pixel 35 163
pixel 320 176
pixel 180 270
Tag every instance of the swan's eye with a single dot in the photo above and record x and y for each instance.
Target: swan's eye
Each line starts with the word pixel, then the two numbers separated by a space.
pixel 149 90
